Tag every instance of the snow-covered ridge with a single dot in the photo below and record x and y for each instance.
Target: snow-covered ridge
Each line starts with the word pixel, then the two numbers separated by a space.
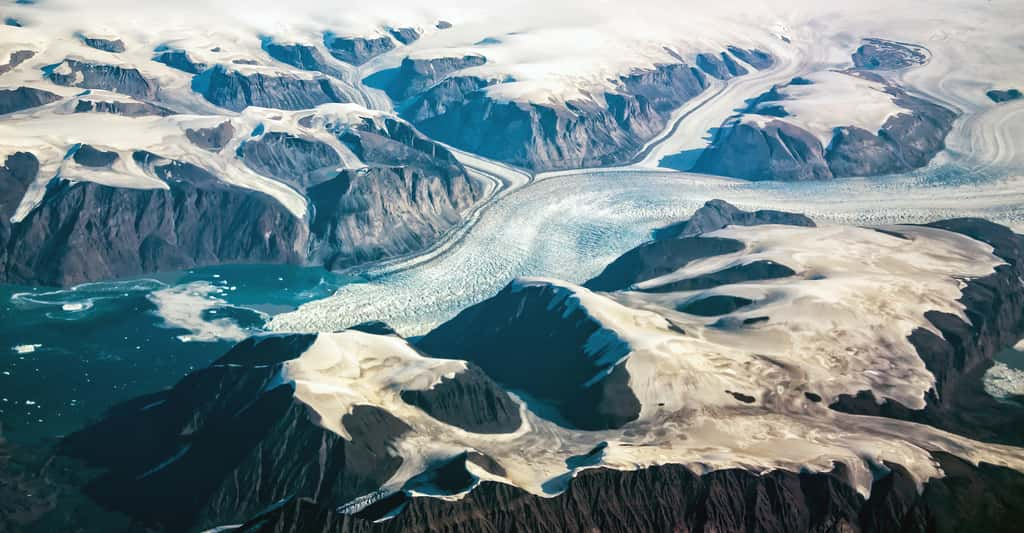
pixel 815 340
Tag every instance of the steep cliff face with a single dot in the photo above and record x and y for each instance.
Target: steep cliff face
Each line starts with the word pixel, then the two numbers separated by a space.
pixel 365 215
pixel 231 441
pixel 671 498
pixel 125 80
pixel 12 100
pixel 235 90
pixel 357 50
pixel 788 134
pixel 964 351
pixel 537 337
pixel 414 76
pixel 399 194
pixel 360 431
pixel 608 129
pixel 86 231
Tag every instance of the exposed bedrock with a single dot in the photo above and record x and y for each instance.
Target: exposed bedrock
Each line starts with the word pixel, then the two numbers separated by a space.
pixel 717 214
pixel 532 337
pixel 288 158
pixel 676 245
pixel 672 498
pixel 471 400
pixel 378 212
pixel 414 76
pixel 19 170
pixel 75 73
pixel 229 441
pixel 301 56
pixel 880 54
pixel 959 358
pixel 721 66
pixel 125 109
pixel 775 149
pixel 235 90
pixel 17 57
pixel 999 96
pixel 394 143
pixel 13 100
pixel 212 139
pixel 180 60
pixel 107 45
pixel 86 231
pixel 357 50
pixel 579 133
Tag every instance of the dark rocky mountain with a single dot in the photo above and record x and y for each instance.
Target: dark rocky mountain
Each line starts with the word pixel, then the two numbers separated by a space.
pixel 235 90
pixel 412 192
pixel 238 444
pixel 88 75
pixel 717 214
pixel 357 50
pixel 999 96
pixel 457 110
pixel 775 149
pixel 13 100
pixel 672 498
pixel 534 337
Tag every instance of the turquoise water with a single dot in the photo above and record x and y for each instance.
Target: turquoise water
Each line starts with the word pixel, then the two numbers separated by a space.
pixel 67 355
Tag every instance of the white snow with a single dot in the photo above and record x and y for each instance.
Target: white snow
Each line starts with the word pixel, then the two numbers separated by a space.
pixel 834 99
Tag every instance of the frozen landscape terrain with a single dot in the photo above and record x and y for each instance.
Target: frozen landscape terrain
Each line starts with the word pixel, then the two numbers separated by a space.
pixel 415 209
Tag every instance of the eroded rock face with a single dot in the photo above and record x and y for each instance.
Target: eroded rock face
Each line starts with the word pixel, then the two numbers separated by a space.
pixel 180 60
pixel 126 109
pixel 471 400
pixel 232 440
pixel 125 80
pixel 86 231
pixel 671 498
pixel 717 214
pixel 531 338
pixel 357 50
pixel 416 75
pixel 301 56
pixel 880 54
pixel 378 212
pixel 776 149
pixel 107 45
pixel 457 110
pixel 235 91
pixel 212 139
pixel 13 100
pixel 17 57
pixel 288 158
pixel 960 357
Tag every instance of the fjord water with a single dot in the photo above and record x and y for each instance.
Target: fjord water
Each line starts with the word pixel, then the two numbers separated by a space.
pixel 68 355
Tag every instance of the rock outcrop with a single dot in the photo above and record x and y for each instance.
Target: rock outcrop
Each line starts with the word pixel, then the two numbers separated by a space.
pixel 22 98
pixel 120 79
pixel 85 231
pixel 609 129
pixel 756 147
pixel 535 337
pixel 235 90
pixel 357 50
pixel 961 355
